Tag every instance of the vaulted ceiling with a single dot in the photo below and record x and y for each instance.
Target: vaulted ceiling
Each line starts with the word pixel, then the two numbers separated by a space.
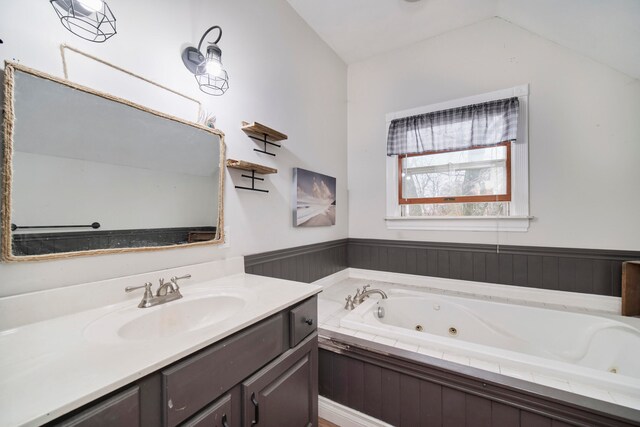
pixel 607 31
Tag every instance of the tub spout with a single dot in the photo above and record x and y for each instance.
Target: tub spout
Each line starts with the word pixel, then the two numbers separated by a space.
pixel 364 295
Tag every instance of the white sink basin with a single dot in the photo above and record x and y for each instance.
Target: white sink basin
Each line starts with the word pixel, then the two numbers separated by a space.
pixel 166 320
pixel 181 316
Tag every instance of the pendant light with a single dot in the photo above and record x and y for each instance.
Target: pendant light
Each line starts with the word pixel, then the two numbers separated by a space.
pixel 91 20
pixel 212 78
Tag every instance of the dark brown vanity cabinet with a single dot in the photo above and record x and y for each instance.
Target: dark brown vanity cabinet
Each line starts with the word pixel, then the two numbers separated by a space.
pixel 264 375
pixel 285 392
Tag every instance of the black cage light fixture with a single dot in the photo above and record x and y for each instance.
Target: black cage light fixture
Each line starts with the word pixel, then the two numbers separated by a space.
pixel 210 75
pixel 88 19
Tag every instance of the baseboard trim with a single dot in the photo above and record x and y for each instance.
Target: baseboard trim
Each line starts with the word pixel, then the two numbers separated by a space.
pixel 345 416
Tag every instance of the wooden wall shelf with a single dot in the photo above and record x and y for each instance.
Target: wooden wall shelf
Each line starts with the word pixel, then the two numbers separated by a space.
pixel 248 166
pixel 264 134
pixel 253 168
pixel 261 130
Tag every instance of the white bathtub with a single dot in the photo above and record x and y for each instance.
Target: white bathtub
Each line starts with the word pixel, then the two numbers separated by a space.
pixel 603 351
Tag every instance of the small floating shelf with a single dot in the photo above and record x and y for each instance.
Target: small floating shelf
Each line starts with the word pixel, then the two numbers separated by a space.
pixel 264 134
pixel 253 168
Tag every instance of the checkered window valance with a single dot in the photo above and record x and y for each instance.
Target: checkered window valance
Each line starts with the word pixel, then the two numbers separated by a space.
pixel 458 128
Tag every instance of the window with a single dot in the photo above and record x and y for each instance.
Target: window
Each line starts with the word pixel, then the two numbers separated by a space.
pixel 472 182
pixel 460 165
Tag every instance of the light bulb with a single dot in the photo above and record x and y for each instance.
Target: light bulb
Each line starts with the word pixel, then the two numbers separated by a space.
pixel 92 5
pixel 214 68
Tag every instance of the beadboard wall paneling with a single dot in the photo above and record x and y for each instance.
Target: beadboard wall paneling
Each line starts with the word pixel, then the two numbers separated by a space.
pixel 590 271
pixel 72 241
pixel 303 263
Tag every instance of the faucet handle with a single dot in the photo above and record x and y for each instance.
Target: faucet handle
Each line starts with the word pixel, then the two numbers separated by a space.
pixel 147 288
pixel 175 279
pixel 365 287
pixel 148 294
pixel 349 305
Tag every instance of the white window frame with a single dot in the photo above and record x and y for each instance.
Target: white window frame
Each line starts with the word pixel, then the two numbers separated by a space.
pixel 518 219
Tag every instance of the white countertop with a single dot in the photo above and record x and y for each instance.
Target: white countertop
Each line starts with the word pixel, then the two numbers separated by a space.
pixel 52 366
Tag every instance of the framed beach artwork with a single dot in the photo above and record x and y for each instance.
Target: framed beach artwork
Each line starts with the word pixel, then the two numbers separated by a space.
pixel 314 199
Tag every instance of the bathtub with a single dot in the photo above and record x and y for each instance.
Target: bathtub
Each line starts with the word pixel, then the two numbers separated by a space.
pixel 598 350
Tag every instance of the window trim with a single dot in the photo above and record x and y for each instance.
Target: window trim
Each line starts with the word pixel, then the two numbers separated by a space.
pixel 519 218
pixel 506 197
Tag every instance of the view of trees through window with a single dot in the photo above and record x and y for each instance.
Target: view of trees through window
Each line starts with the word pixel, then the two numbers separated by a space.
pixel 469 182
pixel 457 209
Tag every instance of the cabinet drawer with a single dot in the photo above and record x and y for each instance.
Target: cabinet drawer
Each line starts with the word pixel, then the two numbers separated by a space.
pixel 121 410
pixel 303 320
pixel 218 414
pixel 191 384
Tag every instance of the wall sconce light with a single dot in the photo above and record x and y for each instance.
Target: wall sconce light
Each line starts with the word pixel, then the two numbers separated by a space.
pixel 89 19
pixel 211 77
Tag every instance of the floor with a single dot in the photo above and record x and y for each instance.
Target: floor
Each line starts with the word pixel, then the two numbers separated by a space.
pixel 325 423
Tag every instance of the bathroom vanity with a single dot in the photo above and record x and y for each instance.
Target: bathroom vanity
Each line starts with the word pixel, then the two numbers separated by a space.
pixel 117 364
pixel 212 386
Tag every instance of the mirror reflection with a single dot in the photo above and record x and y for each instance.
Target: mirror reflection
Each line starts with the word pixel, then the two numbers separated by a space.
pixel 92 173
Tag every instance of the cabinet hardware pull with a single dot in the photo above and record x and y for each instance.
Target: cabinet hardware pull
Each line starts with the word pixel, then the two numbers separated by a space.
pixel 257 409
pixel 308 321
pixel 224 421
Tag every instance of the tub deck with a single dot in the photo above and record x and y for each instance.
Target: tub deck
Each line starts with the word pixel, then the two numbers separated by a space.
pixel 331 311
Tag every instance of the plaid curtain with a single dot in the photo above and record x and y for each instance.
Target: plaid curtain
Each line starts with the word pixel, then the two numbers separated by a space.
pixel 458 128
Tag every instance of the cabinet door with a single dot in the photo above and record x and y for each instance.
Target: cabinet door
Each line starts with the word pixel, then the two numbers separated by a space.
pixel 224 412
pixel 285 392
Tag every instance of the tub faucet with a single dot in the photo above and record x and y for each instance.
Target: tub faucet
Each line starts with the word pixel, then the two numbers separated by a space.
pixel 365 294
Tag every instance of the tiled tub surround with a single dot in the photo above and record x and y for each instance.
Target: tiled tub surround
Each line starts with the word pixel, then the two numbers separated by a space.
pixel 52 360
pixel 447 294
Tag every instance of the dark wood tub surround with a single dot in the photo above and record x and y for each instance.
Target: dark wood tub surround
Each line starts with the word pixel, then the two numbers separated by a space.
pixel 590 271
pixel 404 388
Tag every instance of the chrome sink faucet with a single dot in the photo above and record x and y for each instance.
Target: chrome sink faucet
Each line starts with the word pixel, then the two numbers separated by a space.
pixel 169 291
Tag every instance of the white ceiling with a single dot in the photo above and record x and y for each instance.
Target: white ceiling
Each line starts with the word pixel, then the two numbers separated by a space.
pixel 607 31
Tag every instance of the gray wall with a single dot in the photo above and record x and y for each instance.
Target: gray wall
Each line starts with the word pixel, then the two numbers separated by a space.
pixel 303 263
pixel 588 271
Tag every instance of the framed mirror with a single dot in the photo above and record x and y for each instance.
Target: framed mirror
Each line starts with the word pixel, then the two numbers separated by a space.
pixel 85 173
